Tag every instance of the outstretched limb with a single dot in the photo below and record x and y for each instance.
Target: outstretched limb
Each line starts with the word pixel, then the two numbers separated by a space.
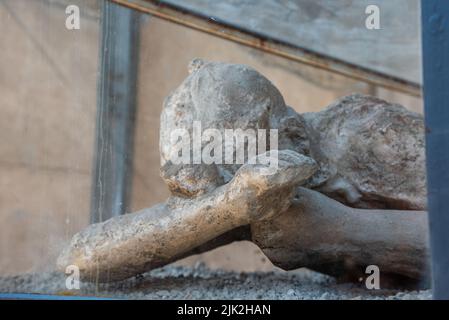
pixel 322 234
pixel 134 243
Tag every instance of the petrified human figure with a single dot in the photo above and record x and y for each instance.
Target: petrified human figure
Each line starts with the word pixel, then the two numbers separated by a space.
pixel 348 192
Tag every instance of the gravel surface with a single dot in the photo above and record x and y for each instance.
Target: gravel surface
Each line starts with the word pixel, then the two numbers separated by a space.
pixel 177 282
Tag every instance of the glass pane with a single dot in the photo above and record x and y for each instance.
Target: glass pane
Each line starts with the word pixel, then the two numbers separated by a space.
pixel 47 121
pixel 81 109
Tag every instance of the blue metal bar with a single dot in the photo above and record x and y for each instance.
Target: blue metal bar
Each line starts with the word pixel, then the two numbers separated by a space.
pixel 117 87
pixel 35 296
pixel 435 44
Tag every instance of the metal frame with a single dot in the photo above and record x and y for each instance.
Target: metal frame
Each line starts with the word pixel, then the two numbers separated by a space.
pixel 198 21
pixel 435 36
pixel 116 107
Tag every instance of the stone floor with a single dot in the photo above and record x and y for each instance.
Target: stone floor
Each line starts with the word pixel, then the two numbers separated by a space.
pixel 199 282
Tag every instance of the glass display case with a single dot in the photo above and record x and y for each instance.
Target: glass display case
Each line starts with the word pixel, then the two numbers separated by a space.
pixel 84 83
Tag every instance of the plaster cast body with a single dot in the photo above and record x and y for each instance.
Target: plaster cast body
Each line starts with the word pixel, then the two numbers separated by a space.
pixel 366 154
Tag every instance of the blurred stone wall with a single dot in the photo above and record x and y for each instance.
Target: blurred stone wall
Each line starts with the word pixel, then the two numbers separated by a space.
pixel 48 80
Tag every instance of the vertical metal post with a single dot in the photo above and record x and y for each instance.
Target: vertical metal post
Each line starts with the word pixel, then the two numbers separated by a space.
pixel 116 105
pixel 435 45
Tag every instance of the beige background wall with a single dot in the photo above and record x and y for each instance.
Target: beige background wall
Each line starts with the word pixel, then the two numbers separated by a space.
pixel 47 107
pixel 47 116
